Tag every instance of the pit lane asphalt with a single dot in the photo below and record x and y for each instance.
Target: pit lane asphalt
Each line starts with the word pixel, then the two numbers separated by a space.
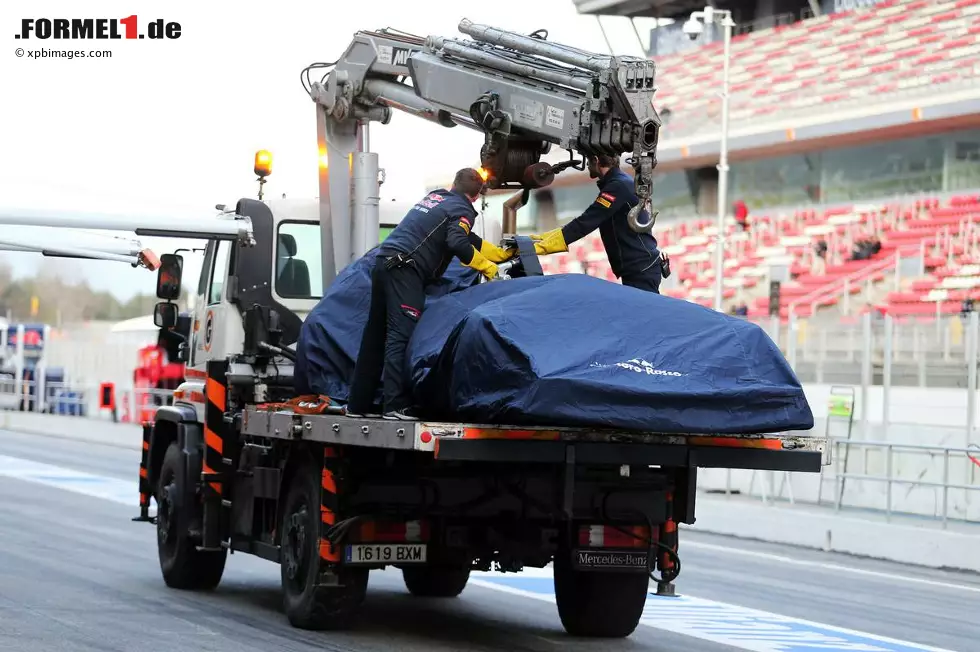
pixel 77 574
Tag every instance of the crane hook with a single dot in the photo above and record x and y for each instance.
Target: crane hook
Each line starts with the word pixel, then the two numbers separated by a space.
pixel 633 218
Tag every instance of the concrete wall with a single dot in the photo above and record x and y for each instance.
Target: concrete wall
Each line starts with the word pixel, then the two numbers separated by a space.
pixel 943 410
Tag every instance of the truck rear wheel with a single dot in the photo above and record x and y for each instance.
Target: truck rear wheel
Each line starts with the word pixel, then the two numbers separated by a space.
pixel 307 605
pixel 182 564
pixel 435 581
pixel 598 603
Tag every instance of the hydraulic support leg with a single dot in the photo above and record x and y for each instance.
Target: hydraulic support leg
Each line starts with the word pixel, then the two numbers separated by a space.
pixel 214 472
pixel 144 484
pixel 665 562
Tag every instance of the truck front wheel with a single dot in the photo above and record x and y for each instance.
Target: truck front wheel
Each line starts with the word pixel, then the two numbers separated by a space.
pixel 598 603
pixel 182 564
pixel 435 581
pixel 307 604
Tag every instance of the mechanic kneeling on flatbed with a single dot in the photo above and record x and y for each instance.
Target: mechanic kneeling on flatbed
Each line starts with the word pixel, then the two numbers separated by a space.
pixel 633 257
pixel 417 252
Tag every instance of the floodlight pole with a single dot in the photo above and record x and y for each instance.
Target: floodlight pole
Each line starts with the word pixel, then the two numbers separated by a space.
pixel 709 15
pixel 727 24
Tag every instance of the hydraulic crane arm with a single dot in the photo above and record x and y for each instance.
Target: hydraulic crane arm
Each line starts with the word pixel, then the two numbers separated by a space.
pixel 227 226
pixel 143 258
pixel 46 243
pixel 523 93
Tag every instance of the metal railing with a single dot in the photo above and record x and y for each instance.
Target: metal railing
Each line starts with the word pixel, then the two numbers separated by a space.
pixel 939 481
pixel 919 351
pixel 889 450
pixel 132 404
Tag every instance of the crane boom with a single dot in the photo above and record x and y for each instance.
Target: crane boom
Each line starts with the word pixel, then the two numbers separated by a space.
pixel 49 241
pixel 227 226
pixel 136 258
pixel 523 92
pixel 45 241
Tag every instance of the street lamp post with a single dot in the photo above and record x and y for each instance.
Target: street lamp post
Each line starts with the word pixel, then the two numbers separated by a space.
pixel 693 28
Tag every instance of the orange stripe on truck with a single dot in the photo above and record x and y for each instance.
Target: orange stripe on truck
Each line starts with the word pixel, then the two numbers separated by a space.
pixel 207 469
pixel 731 442
pixel 213 440
pixel 328 552
pixel 189 396
pixel 216 393
pixel 497 433
pixel 328 482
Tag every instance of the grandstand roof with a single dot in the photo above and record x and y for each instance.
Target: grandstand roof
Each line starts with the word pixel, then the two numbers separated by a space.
pixel 894 65
pixel 643 8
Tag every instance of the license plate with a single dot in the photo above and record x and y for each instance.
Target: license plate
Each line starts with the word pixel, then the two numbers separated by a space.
pixel 386 553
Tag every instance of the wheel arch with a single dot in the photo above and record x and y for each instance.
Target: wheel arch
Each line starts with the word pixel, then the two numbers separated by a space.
pixel 174 423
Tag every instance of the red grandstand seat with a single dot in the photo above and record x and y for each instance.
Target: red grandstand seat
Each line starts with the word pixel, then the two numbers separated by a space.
pixel 769 67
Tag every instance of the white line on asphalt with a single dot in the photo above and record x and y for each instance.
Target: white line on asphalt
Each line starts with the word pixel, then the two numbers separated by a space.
pixel 741 627
pixel 828 566
pixel 87 484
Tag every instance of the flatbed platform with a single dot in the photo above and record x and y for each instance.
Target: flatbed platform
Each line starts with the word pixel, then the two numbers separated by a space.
pixel 501 443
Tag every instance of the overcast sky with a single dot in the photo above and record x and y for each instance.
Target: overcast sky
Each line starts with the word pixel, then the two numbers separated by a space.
pixel 170 127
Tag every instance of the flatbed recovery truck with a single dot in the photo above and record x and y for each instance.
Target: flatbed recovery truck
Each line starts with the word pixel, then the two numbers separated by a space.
pixel 239 463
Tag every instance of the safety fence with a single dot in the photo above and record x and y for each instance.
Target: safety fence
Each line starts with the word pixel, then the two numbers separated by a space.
pixel 105 401
pixel 923 353
pixel 939 483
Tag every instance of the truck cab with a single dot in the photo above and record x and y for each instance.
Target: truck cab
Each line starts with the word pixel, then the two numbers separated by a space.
pixel 282 271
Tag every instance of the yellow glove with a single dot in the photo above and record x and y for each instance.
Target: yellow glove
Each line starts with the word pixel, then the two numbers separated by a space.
pixel 482 265
pixel 496 254
pixel 552 242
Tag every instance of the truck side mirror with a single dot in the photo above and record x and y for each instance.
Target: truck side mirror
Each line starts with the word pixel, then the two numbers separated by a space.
pixel 168 277
pixel 165 315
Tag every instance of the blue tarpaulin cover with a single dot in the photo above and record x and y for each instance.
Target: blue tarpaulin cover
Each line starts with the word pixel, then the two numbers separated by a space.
pixel 331 335
pixel 568 350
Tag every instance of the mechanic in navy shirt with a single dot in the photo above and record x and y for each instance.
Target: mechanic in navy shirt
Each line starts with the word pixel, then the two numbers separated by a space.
pixel 417 252
pixel 633 257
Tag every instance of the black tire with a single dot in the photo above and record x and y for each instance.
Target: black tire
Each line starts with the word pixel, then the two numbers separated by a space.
pixel 308 606
pixel 598 604
pixel 182 564
pixel 435 581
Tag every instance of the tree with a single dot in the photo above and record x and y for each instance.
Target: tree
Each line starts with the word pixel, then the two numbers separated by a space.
pixel 63 300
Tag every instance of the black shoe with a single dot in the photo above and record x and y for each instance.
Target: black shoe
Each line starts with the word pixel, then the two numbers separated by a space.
pixel 400 415
pixel 358 415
